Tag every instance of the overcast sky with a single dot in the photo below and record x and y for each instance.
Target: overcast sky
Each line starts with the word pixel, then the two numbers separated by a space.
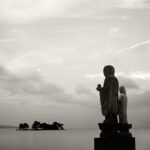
pixel 53 53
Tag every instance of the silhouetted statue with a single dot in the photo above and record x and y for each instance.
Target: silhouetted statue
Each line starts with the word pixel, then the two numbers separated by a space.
pixel 122 106
pixel 109 95
pixel 113 135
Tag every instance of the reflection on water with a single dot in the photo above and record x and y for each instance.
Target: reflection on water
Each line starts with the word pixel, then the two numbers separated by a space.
pixel 71 139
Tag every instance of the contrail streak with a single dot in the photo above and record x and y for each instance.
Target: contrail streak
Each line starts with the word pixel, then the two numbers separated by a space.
pixel 132 47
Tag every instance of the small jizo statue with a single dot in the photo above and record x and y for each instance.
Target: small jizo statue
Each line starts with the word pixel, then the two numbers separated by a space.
pixel 109 95
pixel 122 106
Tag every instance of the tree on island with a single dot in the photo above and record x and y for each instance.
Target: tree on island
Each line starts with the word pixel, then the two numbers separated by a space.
pixel 23 126
pixel 36 125
pixel 44 126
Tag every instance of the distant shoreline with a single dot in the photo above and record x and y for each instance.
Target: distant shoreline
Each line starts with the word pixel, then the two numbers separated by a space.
pixel 39 130
pixel 7 126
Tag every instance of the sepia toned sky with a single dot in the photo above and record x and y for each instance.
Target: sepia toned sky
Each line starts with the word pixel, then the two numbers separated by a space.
pixel 52 55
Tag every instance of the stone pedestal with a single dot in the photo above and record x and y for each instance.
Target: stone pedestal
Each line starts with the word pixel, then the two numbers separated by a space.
pixel 114 143
pixel 114 137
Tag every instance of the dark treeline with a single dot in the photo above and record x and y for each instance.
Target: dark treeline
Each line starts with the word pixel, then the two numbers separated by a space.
pixel 43 126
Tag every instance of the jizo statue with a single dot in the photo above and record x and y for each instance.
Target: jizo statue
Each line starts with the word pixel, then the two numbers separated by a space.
pixel 122 105
pixel 109 95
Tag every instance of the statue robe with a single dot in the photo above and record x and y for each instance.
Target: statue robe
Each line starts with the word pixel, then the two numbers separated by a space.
pixel 122 108
pixel 109 95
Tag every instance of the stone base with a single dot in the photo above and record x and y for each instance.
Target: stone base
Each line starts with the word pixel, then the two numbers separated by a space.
pixel 115 130
pixel 114 143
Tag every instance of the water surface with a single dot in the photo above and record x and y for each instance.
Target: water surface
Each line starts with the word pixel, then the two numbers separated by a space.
pixel 71 139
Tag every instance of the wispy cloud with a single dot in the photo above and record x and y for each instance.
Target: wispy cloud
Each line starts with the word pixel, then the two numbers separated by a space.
pixel 33 88
pixel 134 75
pixel 113 30
pixel 140 75
pixel 98 75
pixel 138 107
pixel 32 60
pixel 5 40
pixel 28 10
pixel 131 47
pixel 124 79
pixel 131 80
pixel 92 76
pixel 132 4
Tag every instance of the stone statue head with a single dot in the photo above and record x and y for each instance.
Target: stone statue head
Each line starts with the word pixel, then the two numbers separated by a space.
pixel 109 70
pixel 122 89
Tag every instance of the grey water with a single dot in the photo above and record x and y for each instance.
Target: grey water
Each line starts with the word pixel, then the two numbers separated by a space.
pixel 71 139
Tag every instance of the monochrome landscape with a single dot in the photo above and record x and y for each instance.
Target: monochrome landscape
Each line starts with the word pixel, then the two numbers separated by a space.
pixel 52 58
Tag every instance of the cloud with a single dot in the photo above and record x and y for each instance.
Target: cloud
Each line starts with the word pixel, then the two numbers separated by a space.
pixel 30 10
pixel 24 11
pixel 134 80
pixel 87 96
pixel 140 75
pixel 141 100
pixel 93 76
pixel 113 31
pixel 138 98
pixel 129 83
pixel 29 97
pixel 132 4
pixel 27 85
pixel 129 80
pixel 7 40
pixel 138 109
pixel 32 61
pixel 32 88
pixel 132 75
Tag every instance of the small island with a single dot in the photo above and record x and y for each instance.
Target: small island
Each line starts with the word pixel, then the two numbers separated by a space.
pixel 40 126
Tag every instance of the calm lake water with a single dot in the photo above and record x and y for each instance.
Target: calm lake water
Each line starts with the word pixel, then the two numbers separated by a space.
pixel 71 139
